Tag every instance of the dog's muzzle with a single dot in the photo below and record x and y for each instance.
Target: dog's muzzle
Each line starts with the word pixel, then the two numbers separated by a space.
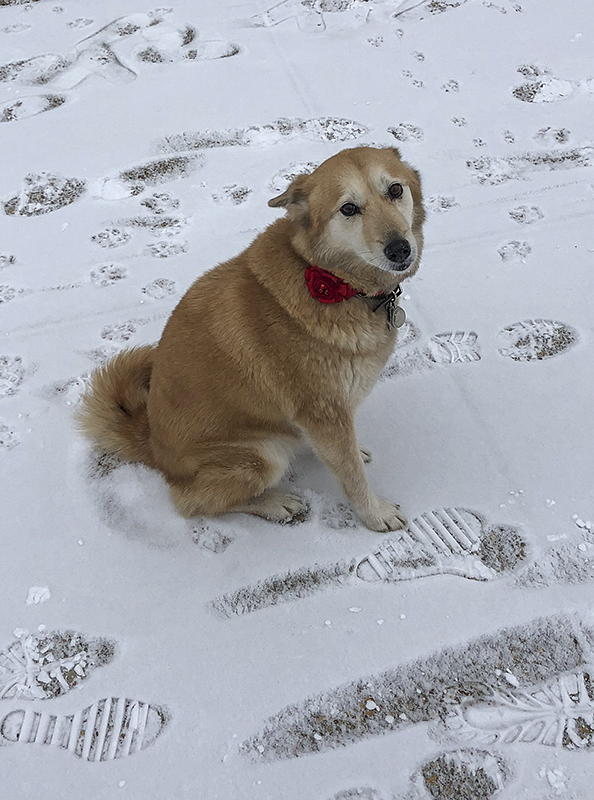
pixel 398 251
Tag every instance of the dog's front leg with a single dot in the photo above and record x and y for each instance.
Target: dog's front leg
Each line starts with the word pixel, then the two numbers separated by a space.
pixel 333 438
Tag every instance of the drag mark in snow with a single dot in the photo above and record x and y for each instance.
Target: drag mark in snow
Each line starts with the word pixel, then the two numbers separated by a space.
pixel 447 541
pixel 47 665
pixel 558 713
pixel 324 129
pixel 536 339
pixel 426 689
pixel 109 729
pixel 282 589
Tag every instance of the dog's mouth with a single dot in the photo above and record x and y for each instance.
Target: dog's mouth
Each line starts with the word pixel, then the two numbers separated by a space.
pixel 399 254
pixel 401 267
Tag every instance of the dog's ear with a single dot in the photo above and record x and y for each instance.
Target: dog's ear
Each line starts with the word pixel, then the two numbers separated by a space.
pixel 396 152
pixel 294 199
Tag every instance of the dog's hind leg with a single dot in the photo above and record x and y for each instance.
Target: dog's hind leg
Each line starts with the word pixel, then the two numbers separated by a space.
pixel 275 505
pixel 238 477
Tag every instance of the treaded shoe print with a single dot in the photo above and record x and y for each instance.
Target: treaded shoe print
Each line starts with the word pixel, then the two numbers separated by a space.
pixel 559 713
pixel 447 541
pixel 425 689
pixel 46 665
pixel 444 348
pixel 536 339
pixel 109 729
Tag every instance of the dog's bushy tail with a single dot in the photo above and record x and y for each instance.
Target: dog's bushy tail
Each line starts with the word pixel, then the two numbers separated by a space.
pixel 114 411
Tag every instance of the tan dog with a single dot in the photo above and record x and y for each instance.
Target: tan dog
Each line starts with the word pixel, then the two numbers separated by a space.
pixel 255 360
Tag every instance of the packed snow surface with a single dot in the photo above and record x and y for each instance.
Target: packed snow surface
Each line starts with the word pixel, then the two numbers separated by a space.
pixel 145 656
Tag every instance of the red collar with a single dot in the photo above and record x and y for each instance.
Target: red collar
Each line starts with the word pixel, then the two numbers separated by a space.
pixel 326 287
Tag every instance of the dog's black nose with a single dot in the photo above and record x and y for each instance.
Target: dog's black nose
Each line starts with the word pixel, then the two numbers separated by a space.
pixel 397 250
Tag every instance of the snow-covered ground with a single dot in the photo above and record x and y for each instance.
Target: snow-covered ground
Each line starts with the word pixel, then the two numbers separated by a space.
pixel 146 656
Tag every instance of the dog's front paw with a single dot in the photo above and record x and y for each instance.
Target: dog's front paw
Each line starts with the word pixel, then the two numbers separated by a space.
pixel 384 516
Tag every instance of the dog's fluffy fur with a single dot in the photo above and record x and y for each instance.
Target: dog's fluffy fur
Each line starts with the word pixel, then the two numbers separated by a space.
pixel 250 364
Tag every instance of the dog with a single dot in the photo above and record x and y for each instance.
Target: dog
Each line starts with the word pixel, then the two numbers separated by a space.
pixel 274 348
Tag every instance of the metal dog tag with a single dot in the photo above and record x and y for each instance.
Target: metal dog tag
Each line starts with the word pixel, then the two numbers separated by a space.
pixel 396 316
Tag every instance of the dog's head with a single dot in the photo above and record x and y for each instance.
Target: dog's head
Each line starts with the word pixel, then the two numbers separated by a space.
pixel 360 216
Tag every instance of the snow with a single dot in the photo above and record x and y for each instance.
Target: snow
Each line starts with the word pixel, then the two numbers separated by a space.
pixel 230 658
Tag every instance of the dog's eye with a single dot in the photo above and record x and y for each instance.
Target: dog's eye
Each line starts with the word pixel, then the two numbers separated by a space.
pixel 349 209
pixel 395 190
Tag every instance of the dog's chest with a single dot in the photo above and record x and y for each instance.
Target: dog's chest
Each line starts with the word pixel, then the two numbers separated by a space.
pixel 359 375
